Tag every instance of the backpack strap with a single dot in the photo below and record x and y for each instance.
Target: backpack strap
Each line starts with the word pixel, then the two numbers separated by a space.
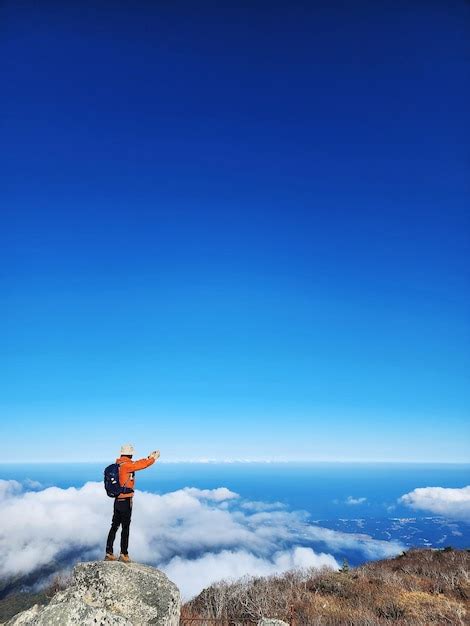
pixel 124 485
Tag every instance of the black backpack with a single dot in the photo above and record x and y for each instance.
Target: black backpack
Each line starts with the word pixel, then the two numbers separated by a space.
pixel 111 481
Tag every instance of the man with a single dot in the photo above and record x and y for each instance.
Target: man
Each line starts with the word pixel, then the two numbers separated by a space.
pixel 123 503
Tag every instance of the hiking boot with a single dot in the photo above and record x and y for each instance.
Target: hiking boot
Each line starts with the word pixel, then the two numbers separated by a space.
pixel 110 557
pixel 125 558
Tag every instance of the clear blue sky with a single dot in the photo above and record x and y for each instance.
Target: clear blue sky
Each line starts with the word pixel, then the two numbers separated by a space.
pixel 235 232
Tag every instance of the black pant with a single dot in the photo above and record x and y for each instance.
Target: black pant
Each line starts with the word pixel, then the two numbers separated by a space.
pixel 121 516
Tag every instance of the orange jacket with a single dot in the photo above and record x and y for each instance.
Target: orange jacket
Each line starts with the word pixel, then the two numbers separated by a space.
pixel 127 468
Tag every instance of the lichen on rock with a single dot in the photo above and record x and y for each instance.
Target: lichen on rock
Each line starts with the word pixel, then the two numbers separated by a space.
pixel 109 594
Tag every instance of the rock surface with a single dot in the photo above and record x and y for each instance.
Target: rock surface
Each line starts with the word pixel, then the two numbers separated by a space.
pixel 109 593
pixel 267 621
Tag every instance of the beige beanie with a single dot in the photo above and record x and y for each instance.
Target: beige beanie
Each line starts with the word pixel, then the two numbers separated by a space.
pixel 127 448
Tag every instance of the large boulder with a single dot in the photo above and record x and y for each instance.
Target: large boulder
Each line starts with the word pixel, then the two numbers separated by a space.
pixel 109 593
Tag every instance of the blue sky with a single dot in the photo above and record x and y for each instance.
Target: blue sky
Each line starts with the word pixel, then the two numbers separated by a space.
pixel 235 232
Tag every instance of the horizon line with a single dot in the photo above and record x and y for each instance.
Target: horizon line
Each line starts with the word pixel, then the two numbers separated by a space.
pixel 245 461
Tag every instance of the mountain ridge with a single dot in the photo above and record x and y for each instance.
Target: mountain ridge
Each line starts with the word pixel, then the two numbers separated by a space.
pixel 420 587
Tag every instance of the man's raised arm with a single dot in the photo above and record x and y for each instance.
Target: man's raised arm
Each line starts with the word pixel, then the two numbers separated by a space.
pixel 143 463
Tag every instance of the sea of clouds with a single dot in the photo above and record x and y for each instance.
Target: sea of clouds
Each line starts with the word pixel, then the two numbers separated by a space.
pixel 197 536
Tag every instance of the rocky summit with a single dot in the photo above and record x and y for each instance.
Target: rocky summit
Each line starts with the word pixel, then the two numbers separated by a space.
pixel 109 593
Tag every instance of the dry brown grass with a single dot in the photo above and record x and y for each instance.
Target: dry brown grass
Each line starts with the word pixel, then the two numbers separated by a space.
pixel 419 588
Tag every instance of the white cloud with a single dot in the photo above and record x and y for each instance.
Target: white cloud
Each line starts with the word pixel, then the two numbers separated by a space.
pixel 193 575
pixel 32 484
pixel 256 505
pixel 340 541
pixel 352 501
pixel 203 531
pixel 453 503
pixel 9 488
pixel 218 495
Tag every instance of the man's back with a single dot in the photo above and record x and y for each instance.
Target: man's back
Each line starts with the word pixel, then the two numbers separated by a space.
pixel 127 469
